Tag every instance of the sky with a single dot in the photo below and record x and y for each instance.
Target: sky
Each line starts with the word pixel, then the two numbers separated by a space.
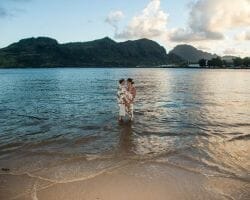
pixel 216 26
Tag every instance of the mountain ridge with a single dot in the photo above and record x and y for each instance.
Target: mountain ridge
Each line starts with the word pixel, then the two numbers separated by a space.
pixel 104 52
pixel 47 52
pixel 191 54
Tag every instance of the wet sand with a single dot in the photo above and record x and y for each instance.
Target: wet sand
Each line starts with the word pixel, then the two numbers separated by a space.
pixel 140 181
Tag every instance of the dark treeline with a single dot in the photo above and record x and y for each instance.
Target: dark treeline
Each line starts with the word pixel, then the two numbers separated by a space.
pixel 219 62
pixel 47 52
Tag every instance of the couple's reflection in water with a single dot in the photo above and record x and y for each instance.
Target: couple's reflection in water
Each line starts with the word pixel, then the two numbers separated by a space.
pixel 126 145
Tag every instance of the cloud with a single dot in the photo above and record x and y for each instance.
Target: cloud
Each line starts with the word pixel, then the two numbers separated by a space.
pixel 5 12
pixel 230 51
pixel 150 23
pixel 210 19
pixel 233 51
pixel 114 18
pixel 245 35
pixel 189 35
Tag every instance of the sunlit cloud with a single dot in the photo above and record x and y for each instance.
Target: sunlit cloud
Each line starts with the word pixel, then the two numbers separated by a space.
pixel 211 19
pixel 150 23
pixel 233 51
pixel 243 36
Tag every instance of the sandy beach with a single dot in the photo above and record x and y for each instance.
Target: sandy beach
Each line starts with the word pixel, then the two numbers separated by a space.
pixel 131 180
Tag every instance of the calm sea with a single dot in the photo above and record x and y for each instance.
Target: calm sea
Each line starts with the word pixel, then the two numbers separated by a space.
pixel 65 121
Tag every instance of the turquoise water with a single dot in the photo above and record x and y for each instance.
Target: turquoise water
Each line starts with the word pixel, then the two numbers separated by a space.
pixel 191 118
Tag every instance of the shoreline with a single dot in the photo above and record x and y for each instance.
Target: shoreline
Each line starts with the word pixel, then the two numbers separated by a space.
pixel 117 67
pixel 135 180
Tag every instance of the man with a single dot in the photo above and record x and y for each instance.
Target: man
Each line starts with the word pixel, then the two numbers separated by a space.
pixel 132 93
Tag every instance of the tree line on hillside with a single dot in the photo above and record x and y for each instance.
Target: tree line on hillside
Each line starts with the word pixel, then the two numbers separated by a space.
pixel 105 52
pixel 219 62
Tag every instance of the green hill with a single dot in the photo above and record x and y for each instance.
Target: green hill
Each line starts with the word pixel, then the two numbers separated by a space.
pixel 190 53
pixel 47 52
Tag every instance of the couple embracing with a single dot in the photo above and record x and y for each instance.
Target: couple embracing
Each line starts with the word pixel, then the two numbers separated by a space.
pixel 125 96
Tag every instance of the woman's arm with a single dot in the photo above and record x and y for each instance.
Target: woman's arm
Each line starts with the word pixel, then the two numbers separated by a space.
pixel 133 93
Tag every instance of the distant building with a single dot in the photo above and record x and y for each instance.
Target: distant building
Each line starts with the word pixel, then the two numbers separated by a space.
pixel 194 65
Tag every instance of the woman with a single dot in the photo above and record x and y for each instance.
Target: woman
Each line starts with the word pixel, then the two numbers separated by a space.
pixel 122 99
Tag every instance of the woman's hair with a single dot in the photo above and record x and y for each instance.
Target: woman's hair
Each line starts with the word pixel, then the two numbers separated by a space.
pixel 121 80
pixel 130 80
